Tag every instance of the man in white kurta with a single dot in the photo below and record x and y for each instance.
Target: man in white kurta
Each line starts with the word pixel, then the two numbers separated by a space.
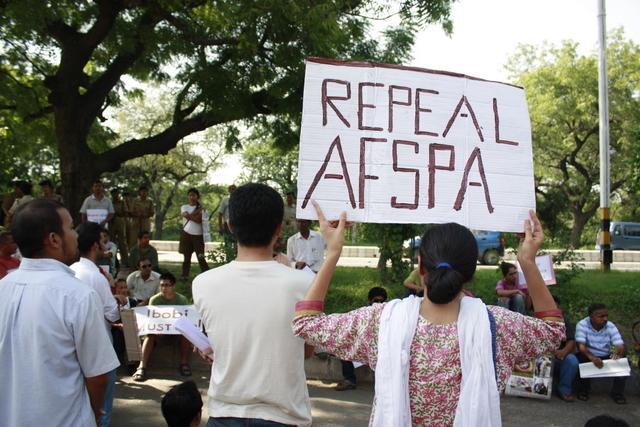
pixel 54 348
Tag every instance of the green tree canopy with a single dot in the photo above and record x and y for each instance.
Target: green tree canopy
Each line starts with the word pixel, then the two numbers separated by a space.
pixel 562 91
pixel 68 62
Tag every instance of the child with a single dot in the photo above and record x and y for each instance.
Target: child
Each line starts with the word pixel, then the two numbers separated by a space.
pixel 182 405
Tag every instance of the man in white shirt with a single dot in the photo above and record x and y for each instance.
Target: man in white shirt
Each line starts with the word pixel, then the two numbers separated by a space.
pixel 306 248
pixel 143 283
pixel 91 248
pixel 246 307
pixel 54 350
pixel 97 207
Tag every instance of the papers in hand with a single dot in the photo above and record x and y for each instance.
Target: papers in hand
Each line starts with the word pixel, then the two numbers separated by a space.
pixel 610 368
pixel 308 270
pixel 193 334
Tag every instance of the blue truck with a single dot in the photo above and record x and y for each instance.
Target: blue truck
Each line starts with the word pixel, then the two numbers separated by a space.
pixel 490 246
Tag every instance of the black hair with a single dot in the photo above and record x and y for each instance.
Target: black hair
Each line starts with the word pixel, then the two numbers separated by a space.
pixel 595 307
pixel 98 181
pixel 194 191
pixel 106 231
pixel 32 224
pixel 605 420
pixel 88 235
pixel 5 236
pixel 24 186
pixel 120 279
pixel 46 182
pixel 143 259
pixel 449 255
pixel 182 404
pixel 505 267
pixel 377 291
pixel 255 210
pixel 142 233
pixel 168 276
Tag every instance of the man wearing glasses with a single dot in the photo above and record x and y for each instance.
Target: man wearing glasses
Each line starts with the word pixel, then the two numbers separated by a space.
pixel 143 283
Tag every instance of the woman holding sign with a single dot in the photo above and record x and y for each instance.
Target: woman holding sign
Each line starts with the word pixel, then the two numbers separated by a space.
pixel 440 360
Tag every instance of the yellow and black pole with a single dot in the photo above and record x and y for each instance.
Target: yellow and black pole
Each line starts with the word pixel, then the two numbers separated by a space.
pixel 606 255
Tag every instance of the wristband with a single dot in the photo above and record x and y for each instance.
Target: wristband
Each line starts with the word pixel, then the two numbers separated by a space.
pixel 555 314
pixel 306 308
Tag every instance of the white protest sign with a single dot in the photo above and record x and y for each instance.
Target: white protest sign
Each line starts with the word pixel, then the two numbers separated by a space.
pixel 545 265
pixel 161 319
pixel 391 144
pixel 97 215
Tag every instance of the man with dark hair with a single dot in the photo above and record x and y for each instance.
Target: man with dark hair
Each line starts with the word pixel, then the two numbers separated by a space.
pixel 142 210
pixel 247 306
pixel 91 248
pixel 22 191
pixel 97 207
pixel 289 225
pixel 143 249
pixel 306 248
pixel 54 350
pixel 143 283
pixel 166 296
pixel 182 405
pixel 48 192
pixel 595 336
pixel 118 225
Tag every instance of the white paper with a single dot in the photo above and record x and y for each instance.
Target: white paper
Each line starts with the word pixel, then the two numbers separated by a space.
pixel 193 334
pixel 161 319
pixel 378 180
pixel 97 215
pixel 545 265
pixel 610 368
pixel 308 270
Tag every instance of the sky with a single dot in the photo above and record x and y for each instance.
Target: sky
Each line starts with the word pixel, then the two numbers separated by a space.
pixel 487 32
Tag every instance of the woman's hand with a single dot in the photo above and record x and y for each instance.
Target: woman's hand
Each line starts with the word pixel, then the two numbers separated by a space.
pixel 532 240
pixel 332 232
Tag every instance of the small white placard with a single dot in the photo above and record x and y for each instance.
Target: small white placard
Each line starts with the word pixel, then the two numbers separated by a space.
pixel 610 368
pixel 545 265
pixel 161 319
pixel 97 215
pixel 392 144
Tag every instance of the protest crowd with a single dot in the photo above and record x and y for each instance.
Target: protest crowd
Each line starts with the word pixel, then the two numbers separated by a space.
pixel 66 287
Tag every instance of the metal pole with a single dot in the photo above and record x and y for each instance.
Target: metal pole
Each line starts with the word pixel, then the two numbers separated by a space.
pixel 606 255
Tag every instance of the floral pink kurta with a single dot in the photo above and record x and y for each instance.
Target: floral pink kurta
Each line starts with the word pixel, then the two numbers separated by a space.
pixel 434 370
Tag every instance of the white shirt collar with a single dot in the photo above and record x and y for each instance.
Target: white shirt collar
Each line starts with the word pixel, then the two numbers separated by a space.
pixel 44 264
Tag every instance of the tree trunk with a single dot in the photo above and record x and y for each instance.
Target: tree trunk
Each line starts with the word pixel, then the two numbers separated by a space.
pixel 580 219
pixel 159 224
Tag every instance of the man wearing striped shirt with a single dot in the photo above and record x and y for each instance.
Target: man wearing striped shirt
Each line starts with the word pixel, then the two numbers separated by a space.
pixel 596 336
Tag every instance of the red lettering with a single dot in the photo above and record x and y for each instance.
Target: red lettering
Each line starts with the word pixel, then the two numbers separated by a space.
pixel 419 110
pixel 496 119
pixel 416 189
pixel 363 174
pixel 455 115
pixel 345 174
pixel 475 154
pixel 433 167
pixel 362 106
pixel 328 100
pixel 393 102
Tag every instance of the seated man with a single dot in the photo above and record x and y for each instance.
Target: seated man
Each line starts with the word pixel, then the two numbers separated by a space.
pixel 182 405
pixel 595 335
pixel 8 262
pixel 566 363
pixel 143 283
pixel 306 248
pixel 107 257
pixel 514 295
pixel 413 284
pixel 167 296
pixel 376 294
pixel 143 249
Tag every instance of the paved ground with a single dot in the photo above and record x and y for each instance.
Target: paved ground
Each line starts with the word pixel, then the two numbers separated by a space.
pixel 138 405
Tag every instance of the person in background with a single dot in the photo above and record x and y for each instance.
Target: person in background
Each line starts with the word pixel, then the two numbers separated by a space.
pixel 97 207
pixel 513 295
pixel 182 405
pixel 223 222
pixel 142 210
pixel 131 223
pixel 306 248
pixel 413 284
pixel 566 363
pixel 48 191
pixel 143 283
pixel 377 295
pixel 8 247
pixel 596 336
pixel 23 196
pixel 289 224
pixel 144 249
pixel 191 236
pixel 605 420
pixel 55 353
pixel 166 296
pixel 107 259
pixel 118 226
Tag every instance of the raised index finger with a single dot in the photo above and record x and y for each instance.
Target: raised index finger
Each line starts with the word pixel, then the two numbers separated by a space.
pixel 319 212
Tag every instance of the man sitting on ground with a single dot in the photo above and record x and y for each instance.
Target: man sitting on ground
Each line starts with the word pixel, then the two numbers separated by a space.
pixel 595 335
pixel 167 296
pixel 512 294
pixel 182 405
pixel 8 262
pixel 566 363
pixel 306 248
pixel 143 283
pixel 144 250
pixel 247 307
